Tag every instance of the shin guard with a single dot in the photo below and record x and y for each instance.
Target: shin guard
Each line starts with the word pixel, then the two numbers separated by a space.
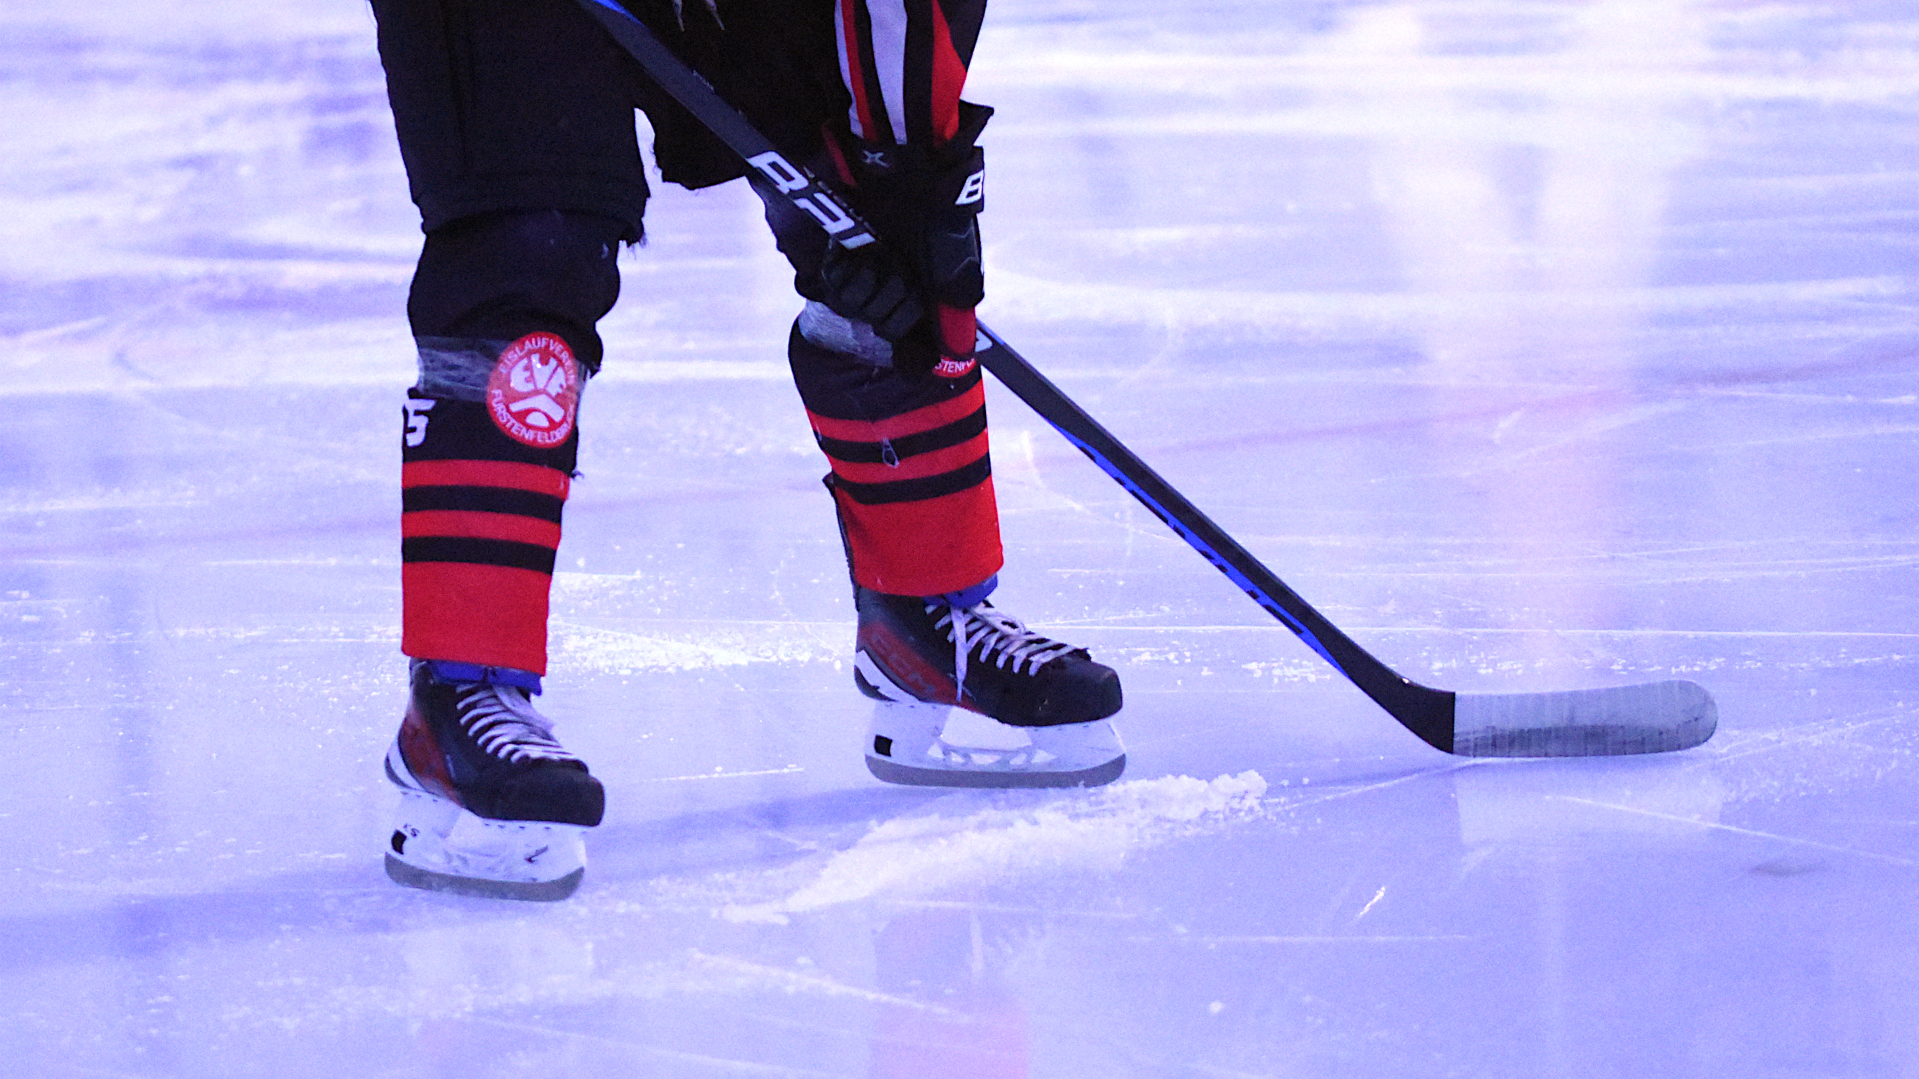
pixel 489 450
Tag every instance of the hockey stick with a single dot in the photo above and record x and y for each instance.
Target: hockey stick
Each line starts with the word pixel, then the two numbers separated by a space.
pixel 1649 718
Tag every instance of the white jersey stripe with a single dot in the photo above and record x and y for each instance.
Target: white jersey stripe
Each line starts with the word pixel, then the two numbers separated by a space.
pixel 889 56
pixel 842 33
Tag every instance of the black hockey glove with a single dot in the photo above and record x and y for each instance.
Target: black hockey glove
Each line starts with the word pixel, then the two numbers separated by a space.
pixel 865 285
pixel 925 208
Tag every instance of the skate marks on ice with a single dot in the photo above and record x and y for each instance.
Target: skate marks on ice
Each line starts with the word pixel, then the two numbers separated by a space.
pixel 915 854
pixel 692 645
pixel 616 630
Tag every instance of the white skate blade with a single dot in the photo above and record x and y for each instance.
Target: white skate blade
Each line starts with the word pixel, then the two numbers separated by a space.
pixel 906 745
pixel 440 847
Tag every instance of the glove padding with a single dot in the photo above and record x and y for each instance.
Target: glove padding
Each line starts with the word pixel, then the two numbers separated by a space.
pixel 864 285
pixel 917 287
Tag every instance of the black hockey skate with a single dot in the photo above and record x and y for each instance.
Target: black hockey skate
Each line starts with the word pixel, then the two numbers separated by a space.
pixel 490 803
pixel 1045 704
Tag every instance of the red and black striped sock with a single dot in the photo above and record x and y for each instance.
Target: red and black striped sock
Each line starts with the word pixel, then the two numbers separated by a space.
pixel 912 475
pixel 483 486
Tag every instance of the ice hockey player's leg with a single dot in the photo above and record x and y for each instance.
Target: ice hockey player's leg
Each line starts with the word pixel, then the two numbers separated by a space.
pixel 490 803
pixel 503 309
pixel 965 696
pixel 912 487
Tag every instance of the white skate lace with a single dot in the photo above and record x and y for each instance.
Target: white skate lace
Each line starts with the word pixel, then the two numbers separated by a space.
pixel 1001 639
pixel 503 721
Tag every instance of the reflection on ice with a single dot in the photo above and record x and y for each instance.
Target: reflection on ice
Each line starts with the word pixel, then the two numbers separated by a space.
pixel 958 1018
pixel 1651 799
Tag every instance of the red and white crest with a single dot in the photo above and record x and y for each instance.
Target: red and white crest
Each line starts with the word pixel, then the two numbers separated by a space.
pixel 534 393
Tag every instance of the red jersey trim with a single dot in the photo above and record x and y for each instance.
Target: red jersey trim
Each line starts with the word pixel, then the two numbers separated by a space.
pixel 949 78
pixel 855 72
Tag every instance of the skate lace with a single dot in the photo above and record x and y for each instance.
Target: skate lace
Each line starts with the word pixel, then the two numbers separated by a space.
pixel 999 638
pixel 502 720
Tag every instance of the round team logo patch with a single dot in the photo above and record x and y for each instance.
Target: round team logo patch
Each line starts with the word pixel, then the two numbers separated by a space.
pixel 534 393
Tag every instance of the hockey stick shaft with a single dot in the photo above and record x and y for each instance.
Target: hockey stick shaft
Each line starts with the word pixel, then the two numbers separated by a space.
pixel 1633 719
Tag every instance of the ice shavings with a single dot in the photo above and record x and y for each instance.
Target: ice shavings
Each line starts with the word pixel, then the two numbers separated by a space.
pixel 1095 830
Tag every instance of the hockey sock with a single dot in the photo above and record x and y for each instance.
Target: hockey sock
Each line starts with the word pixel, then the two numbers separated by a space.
pixel 489 452
pixel 912 479
pixel 503 308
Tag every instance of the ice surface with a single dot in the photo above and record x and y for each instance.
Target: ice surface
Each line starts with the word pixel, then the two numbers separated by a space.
pixel 1544 346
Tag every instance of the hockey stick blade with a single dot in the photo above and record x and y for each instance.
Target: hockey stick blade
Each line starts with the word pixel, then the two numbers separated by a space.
pixel 1652 718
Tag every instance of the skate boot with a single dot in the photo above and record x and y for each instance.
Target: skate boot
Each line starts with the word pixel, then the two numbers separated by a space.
pixel 490 804
pixel 967 697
